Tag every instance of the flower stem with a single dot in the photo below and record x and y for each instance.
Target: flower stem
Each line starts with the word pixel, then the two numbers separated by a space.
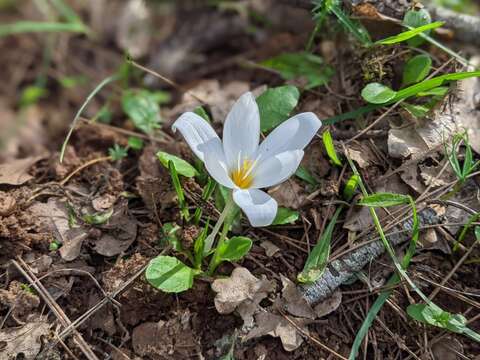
pixel 214 262
pixel 229 205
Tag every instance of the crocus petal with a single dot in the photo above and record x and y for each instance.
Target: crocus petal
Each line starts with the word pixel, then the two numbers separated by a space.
pixel 216 164
pixel 259 207
pixel 293 134
pixel 241 131
pixel 197 133
pixel 276 169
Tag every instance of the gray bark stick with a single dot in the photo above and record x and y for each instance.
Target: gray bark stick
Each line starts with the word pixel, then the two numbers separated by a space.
pixel 341 270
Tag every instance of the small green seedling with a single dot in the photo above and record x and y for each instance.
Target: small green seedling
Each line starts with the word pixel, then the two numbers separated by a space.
pixel 469 164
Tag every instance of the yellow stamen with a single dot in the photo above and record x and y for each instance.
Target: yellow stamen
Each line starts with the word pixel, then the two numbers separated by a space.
pixel 242 176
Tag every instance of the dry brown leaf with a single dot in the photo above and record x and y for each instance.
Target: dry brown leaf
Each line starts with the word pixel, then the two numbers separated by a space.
pixel 53 217
pixel 72 243
pixel 293 301
pixel 410 175
pixel 289 194
pixel 448 349
pixel 23 341
pixel 21 134
pixel 431 240
pixel 221 97
pixel 278 326
pixel 430 132
pixel 16 172
pixel 270 248
pixel 239 287
pixel 172 339
pixel 118 233
pixel 429 174
pixel 329 305
pixel 362 154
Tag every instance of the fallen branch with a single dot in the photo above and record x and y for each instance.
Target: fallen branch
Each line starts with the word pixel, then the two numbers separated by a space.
pixel 343 269
pixel 466 27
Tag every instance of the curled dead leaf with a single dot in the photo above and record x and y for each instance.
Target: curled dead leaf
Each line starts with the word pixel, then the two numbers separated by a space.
pixel 293 301
pixel 329 305
pixel 15 172
pixel 239 287
pixel 23 341
pixel 278 326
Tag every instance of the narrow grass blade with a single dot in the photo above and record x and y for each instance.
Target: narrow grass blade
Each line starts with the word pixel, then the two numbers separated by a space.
pixel 403 36
pixel 318 258
pixel 102 84
pixel 21 27
pixel 355 28
pixel 352 114
pixel 179 190
pixel 328 143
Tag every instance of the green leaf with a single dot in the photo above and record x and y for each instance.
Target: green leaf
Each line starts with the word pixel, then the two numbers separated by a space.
pixel 354 27
pixel 305 175
pixel 135 143
pixel 433 315
pixel 160 97
pixel 199 245
pixel 403 36
pixel 117 152
pixel 415 19
pixel 183 168
pixel 21 27
pixel 275 105
pixel 285 216
pixel 54 246
pixel 384 200
pixel 417 111
pixel 98 218
pixel 416 69
pixel 301 65
pixel 72 81
pixel 142 108
pixel 354 114
pixel 376 93
pixel 328 143
pixel 233 249
pixel 350 187
pixel 178 190
pixel 31 94
pixel 169 231
pixel 104 115
pixel 438 91
pixel 317 260
pixel 200 111
pixel 432 83
pixel 169 274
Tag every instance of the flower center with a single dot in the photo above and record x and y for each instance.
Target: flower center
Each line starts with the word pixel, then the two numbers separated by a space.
pixel 242 175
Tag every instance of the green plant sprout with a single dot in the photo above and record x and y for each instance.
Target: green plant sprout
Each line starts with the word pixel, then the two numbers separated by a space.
pixel 241 166
pixel 469 165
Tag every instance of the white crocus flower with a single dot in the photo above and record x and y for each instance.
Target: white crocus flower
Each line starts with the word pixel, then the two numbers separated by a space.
pixel 240 163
